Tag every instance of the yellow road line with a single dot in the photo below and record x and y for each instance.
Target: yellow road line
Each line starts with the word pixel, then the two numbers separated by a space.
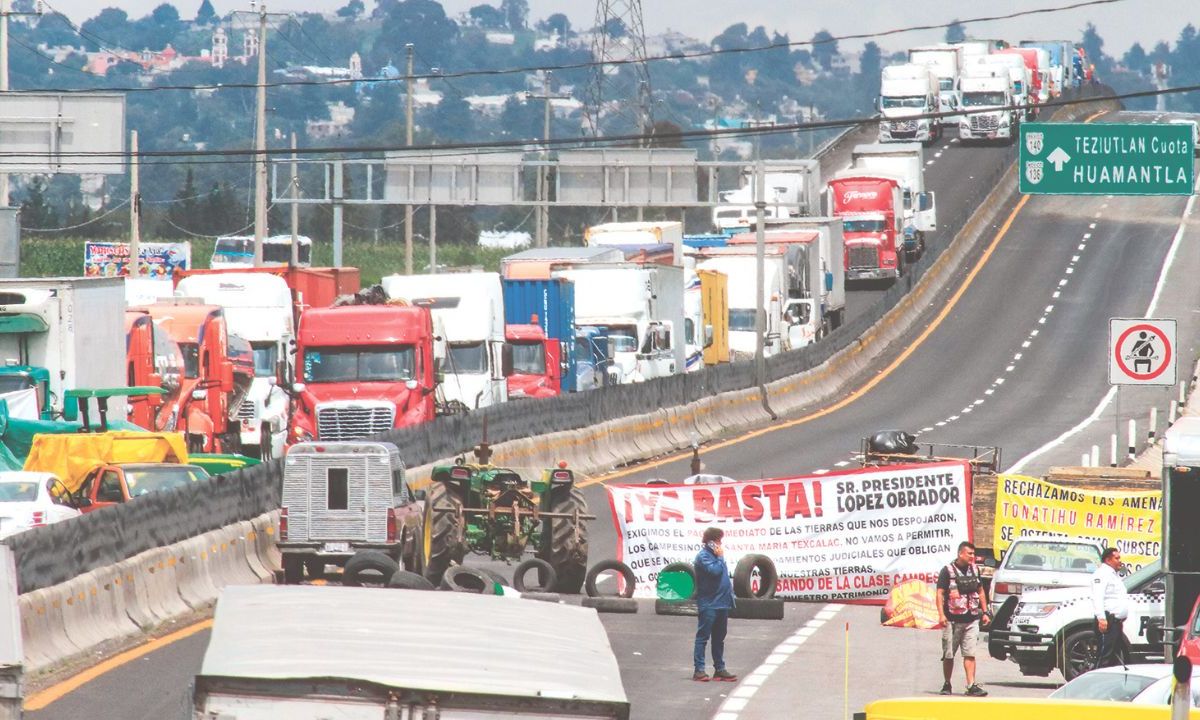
pixel 56 692
pixel 854 394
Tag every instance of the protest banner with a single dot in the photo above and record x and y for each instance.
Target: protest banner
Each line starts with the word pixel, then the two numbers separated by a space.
pixel 158 260
pixel 840 536
pixel 1126 520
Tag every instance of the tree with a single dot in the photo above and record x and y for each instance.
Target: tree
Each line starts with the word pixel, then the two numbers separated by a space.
pixel 1093 46
pixel 420 22
pixel 111 24
pixel 352 10
pixel 824 49
pixel 870 69
pixel 1135 59
pixel 955 32
pixel 557 23
pixel 206 15
pixel 666 134
pixel 36 212
pixel 516 13
pixel 453 119
pixel 183 213
pixel 615 28
pixel 487 17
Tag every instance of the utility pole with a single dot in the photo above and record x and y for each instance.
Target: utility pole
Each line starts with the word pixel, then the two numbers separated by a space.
pixel 760 315
pixel 408 138
pixel 5 11
pixel 433 238
pixel 135 209
pixel 294 258
pixel 260 142
pixel 542 233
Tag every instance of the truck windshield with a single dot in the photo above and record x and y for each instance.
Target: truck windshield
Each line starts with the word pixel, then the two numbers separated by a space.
pixel 191 359
pixel 234 249
pixel 914 101
pixel 329 365
pixel 282 253
pixel 864 226
pixel 528 359
pixel 1055 556
pixel 265 356
pixel 466 359
pixel 982 99
pixel 741 319
pixel 11 382
pixel 156 479
pixel 622 339
pixel 946 84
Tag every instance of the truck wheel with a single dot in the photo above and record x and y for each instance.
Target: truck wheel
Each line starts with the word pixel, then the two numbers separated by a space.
pixel 562 547
pixel 369 567
pixel 315 568
pixel 441 533
pixel 293 569
pixel 1079 653
pixel 743 575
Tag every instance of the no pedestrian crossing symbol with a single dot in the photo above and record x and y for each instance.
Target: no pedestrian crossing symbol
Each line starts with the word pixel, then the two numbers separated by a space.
pixel 1106 159
pixel 1141 351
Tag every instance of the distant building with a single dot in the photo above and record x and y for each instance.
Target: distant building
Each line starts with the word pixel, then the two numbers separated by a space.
pixel 338 124
pixel 220 48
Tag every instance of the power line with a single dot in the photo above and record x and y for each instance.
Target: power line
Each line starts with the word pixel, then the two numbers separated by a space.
pixel 96 219
pixel 317 45
pixel 614 62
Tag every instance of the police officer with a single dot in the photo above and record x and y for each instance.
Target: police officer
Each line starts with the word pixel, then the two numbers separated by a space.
pixel 1110 605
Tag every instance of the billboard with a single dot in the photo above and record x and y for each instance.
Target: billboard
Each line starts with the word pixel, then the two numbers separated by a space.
pixel 159 260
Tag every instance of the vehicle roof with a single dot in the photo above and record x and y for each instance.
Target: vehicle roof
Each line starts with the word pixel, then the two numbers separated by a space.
pixel 16 476
pixel 431 641
pixel 776 236
pixel 318 447
pixel 365 324
pixel 182 321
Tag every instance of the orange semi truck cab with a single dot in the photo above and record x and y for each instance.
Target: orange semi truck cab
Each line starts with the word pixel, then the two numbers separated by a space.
pixel 152 359
pixel 362 370
pixel 536 362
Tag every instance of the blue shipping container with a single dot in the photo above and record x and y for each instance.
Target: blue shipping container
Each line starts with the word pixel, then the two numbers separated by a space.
pixel 553 302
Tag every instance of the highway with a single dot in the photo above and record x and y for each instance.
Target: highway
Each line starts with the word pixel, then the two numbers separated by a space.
pixel 1011 353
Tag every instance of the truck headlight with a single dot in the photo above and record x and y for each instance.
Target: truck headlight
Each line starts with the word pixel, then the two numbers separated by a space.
pixel 1036 609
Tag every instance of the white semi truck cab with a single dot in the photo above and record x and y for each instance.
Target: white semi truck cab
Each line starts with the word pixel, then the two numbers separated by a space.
pixel 987 103
pixel 906 92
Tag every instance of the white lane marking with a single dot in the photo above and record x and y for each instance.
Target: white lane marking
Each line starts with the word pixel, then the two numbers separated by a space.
pixel 926 429
pixel 989 391
pixel 1092 226
pixel 998 381
pixel 1056 294
pixel 1017 356
pixel 1049 309
pixel 1025 344
pixel 1112 391
pixel 1009 368
pixel 1042 320
pixel 746 689
pixel 940 423
pixel 1070 271
pixel 928 162
pixel 947 145
pixel 937 154
pixel 978 402
pixel 967 410
pixel 822 471
pixel 1088 236
pixel 1033 333
pixel 1075 258
pixel 841 463
pixel 1082 245
pixel 952 418
pixel 1062 282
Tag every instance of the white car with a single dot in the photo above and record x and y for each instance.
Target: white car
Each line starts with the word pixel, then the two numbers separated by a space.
pixel 26 501
pixel 1141 684
pixel 1042 564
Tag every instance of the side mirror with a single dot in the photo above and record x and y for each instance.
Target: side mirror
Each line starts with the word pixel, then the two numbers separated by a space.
pixel 925 200
pixel 299 387
pixel 82 502
pixel 879 104
pixel 201 394
pixel 506 360
pixel 1154 631
pixel 708 335
pixel 226 376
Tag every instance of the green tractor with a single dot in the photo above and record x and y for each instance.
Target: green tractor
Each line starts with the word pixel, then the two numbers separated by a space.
pixel 488 510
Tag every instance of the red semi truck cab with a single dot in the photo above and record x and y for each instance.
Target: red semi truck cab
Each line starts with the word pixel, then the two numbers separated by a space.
pixel 536 362
pixel 152 359
pixel 871 210
pixel 362 370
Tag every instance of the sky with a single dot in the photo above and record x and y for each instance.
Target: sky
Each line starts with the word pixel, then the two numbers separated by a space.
pixel 1120 23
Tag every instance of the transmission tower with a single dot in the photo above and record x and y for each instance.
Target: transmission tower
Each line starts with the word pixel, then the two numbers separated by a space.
pixel 618 94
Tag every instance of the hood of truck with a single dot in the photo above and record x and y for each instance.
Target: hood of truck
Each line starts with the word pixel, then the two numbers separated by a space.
pixel 395 393
pixel 902 113
pixel 530 386
pixel 860 239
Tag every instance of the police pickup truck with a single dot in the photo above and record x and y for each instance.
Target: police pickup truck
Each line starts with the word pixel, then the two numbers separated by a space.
pixel 1044 630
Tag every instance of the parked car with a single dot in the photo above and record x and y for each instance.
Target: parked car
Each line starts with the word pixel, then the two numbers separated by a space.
pixel 29 500
pixel 1141 683
pixel 1043 564
pixel 109 484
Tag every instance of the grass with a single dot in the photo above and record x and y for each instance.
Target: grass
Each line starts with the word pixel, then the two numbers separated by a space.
pixel 52 257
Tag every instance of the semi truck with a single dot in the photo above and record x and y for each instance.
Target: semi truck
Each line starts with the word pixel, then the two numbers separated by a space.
pixel 59 334
pixel 1059 68
pixel 831 241
pixel 468 310
pixel 310 287
pixel 540 263
pixel 1035 60
pixel 907 92
pixel 152 359
pixel 362 370
pixel 906 162
pixel 871 210
pixel 790 189
pixel 536 362
pixel 638 236
pixel 1019 80
pixel 822 310
pixel 988 104
pixel 258 309
pixel 639 308
pixel 946 61
pixel 549 305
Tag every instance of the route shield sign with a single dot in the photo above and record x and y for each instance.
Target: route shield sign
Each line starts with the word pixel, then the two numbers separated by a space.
pixel 1141 351
pixel 1106 159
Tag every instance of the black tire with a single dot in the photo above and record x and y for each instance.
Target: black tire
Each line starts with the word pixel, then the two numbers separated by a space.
pixel 369 567
pixel 625 606
pixel 683 567
pixel 441 542
pixel 1078 654
pixel 676 607
pixel 1036 670
pixel 603 566
pixel 768 577
pixel 1000 622
pixel 405 580
pixel 314 567
pixel 757 609
pixel 566 552
pixel 547 577
pixel 496 576
pixel 461 578
pixel 293 569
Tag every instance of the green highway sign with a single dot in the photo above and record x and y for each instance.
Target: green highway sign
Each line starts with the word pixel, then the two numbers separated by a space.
pixel 1106 159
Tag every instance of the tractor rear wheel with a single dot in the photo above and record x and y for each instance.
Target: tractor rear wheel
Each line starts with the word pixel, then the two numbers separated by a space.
pixel 441 538
pixel 562 547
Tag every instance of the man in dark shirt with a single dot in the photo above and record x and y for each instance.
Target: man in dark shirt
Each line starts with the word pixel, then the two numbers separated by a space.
pixel 714 599
pixel 961 603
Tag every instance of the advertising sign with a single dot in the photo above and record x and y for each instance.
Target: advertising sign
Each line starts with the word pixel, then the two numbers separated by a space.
pixel 159 260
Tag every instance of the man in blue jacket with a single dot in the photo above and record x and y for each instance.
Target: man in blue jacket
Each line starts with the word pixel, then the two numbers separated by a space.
pixel 714 599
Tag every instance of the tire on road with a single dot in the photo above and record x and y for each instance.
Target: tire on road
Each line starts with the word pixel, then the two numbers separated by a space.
pixel 293 569
pixel 562 547
pixel 369 567
pixel 603 566
pixel 547 578
pixel 314 568
pixel 608 604
pixel 757 609
pixel 441 542
pixel 676 607
pixel 405 580
pixel 677 567
pixel 461 578
pixel 743 573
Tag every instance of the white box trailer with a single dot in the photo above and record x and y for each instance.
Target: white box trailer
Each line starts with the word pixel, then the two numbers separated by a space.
pixel 946 61
pixel 73 327
pixel 905 161
pixel 627 235
pixel 832 244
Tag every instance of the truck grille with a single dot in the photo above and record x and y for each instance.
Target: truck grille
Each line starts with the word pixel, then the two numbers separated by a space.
pixel 353 423
pixel 246 410
pixel 864 257
pixel 985 122
pixel 904 126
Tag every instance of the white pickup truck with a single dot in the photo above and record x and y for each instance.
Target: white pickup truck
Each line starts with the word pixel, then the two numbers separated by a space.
pixel 1044 630
pixel 1043 563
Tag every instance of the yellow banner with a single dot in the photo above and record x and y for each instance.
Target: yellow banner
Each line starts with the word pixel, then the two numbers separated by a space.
pixel 1126 520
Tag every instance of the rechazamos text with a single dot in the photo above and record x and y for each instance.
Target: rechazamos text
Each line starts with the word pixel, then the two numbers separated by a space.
pixel 847 536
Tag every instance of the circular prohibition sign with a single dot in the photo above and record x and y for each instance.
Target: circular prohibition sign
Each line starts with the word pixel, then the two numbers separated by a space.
pixel 1130 372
